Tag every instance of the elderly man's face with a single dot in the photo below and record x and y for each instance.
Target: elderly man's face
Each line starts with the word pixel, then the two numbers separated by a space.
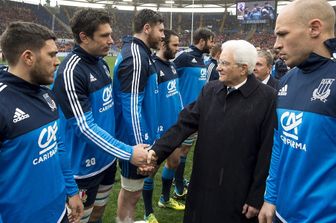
pixel 293 40
pixel 229 71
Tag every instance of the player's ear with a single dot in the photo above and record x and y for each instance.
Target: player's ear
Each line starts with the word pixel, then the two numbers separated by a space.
pixel 315 27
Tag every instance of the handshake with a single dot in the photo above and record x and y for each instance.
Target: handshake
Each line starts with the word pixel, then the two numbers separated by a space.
pixel 144 159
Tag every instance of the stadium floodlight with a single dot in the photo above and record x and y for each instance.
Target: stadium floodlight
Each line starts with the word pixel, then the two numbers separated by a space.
pixel 169 2
pixel 127 0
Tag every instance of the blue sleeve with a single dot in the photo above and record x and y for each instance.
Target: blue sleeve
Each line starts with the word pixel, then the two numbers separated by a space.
pixel 86 129
pixel 73 96
pixel 133 74
pixel 271 182
pixel 70 184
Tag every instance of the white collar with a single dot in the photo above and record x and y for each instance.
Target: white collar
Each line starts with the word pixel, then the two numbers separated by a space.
pixel 266 79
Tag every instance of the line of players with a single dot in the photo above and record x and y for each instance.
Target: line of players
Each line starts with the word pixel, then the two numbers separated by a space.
pixel 94 121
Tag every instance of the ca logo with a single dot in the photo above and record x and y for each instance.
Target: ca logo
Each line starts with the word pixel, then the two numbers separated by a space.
pixel 171 86
pixel 107 95
pixel 47 138
pixel 290 122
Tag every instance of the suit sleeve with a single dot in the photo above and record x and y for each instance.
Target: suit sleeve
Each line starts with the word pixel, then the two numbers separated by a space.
pixel 133 73
pixel 73 97
pixel 257 189
pixel 186 125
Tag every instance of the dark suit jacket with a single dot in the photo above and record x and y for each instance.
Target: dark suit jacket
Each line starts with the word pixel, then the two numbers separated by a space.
pixel 232 153
pixel 274 83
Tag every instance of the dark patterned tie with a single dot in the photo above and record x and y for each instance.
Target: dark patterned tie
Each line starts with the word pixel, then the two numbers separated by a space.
pixel 230 89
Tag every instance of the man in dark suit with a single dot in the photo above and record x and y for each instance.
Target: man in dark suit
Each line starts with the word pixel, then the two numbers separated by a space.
pixel 235 118
pixel 263 69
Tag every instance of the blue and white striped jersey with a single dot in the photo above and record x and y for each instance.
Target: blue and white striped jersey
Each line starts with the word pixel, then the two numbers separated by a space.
pixel 170 97
pixel 136 93
pixel 83 88
pixel 302 177
pixel 192 73
pixel 35 175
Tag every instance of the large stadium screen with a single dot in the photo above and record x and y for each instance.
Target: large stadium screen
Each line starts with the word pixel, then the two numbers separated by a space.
pixel 255 11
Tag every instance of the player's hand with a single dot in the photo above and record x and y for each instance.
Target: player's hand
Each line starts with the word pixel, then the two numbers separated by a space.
pixel 76 209
pixel 150 167
pixel 249 211
pixel 266 213
pixel 140 155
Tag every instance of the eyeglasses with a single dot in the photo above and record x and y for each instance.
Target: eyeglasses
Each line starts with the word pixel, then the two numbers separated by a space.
pixel 225 63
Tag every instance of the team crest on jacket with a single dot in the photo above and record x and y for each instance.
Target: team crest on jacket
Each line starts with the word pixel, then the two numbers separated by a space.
pixel 50 101
pixel 82 195
pixel 107 72
pixel 322 92
pixel 173 70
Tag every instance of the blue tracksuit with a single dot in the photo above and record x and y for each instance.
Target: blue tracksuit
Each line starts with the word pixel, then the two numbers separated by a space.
pixel 192 73
pixel 213 74
pixel 35 175
pixel 135 88
pixel 83 88
pixel 170 97
pixel 302 178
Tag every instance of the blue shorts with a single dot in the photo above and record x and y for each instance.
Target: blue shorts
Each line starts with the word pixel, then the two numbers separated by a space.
pixel 129 171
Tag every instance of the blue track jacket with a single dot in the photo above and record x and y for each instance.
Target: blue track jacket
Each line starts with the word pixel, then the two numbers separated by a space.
pixel 302 177
pixel 170 97
pixel 35 175
pixel 83 88
pixel 192 73
pixel 136 93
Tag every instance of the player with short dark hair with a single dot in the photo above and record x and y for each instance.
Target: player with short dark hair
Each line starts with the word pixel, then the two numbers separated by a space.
pixel 35 175
pixel 135 86
pixel 84 88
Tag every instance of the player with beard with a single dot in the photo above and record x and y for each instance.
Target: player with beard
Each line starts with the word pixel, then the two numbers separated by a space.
pixel 170 107
pixel 135 87
pixel 192 73
pixel 35 174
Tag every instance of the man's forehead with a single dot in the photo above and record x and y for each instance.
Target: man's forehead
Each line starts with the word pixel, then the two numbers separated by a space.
pixel 50 45
pixel 106 27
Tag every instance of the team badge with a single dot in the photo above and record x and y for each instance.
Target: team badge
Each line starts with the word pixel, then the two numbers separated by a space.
pixel 173 69
pixel 322 92
pixel 107 72
pixel 50 101
pixel 82 195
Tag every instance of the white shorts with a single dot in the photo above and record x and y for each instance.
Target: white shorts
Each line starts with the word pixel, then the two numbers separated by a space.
pixel 132 185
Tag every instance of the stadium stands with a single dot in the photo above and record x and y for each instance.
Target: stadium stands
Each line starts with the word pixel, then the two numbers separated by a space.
pixel 224 25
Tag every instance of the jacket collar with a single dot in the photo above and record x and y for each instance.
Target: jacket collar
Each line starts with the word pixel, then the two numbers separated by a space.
pixel 196 51
pixel 85 55
pixel 315 61
pixel 130 39
pixel 19 83
pixel 166 62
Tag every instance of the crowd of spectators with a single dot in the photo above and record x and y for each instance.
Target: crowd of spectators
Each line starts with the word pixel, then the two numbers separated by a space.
pixel 225 26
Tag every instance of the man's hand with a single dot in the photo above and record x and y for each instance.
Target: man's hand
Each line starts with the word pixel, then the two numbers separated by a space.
pixel 140 155
pixel 249 211
pixel 266 213
pixel 150 167
pixel 76 209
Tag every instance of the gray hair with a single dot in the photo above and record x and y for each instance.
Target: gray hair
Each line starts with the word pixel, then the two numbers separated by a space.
pixel 243 53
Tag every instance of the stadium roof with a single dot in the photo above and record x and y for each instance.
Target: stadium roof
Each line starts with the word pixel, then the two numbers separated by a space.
pixel 207 6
